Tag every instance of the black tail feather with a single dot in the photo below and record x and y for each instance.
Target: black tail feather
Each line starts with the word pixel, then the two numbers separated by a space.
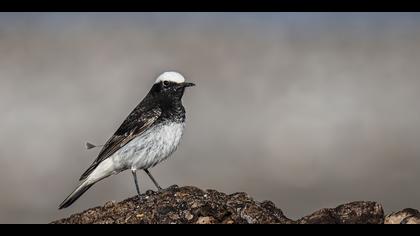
pixel 79 191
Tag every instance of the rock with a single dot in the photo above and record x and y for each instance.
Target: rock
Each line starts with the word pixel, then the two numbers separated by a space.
pixel 191 205
pixel 182 205
pixel 205 220
pixel 350 213
pixel 110 204
pixel 406 216
pixel 412 220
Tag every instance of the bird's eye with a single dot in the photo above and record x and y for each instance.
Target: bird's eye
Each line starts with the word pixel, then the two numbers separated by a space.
pixel 165 83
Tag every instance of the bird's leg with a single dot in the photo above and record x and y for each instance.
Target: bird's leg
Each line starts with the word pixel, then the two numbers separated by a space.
pixel 135 182
pixel 153 179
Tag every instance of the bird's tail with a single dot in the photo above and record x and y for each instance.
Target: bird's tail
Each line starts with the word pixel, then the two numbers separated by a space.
pixel 82 188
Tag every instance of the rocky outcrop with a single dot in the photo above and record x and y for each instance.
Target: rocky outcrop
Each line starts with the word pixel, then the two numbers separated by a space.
pixel 191 205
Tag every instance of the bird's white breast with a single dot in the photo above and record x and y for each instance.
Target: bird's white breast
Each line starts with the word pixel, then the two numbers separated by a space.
pixel 152 147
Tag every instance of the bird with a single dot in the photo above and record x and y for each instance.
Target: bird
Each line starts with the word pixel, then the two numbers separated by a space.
pixel 148 136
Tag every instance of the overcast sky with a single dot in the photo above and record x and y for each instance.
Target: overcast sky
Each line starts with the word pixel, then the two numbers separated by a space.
pixel 308 110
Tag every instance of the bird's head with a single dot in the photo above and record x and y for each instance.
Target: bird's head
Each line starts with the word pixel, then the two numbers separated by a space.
pixel 170 85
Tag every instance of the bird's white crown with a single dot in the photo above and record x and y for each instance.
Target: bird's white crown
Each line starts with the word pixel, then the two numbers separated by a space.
pixel 171 76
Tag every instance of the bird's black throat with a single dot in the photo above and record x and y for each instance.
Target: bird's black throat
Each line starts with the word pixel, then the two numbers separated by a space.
pixel 172 110
pixel 169 98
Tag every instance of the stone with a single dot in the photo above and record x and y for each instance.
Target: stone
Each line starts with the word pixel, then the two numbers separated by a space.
pixel 191 205
pixel 405 216
pixel 351 213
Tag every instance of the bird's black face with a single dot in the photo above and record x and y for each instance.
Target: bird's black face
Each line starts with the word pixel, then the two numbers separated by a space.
pixel 170 89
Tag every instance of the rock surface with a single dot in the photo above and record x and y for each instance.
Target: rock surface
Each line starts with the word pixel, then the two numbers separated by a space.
pixel 406 216
pixel 191 205
pixel 350 213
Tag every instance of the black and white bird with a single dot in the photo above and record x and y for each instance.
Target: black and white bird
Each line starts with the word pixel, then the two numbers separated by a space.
pixel 149 135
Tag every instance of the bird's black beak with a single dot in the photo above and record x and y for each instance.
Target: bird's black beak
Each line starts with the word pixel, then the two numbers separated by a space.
pixel 186 84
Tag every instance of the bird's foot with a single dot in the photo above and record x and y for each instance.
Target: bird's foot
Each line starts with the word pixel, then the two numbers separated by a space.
pixel 160 189
pixel 140 198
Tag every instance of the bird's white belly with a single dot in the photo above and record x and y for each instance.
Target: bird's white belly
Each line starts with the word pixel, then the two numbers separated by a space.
pixel 150 148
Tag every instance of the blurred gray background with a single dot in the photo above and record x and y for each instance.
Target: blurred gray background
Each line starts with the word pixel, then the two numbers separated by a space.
pixel 308 110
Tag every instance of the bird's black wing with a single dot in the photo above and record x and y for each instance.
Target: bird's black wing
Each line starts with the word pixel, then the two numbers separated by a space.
pixel 135 124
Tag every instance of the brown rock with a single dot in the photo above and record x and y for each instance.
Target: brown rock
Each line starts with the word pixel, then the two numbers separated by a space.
pixel 205 220
pixel 406 216
pixel 185 205
pixel 350 213
pixel 191 205
pixel 412 220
